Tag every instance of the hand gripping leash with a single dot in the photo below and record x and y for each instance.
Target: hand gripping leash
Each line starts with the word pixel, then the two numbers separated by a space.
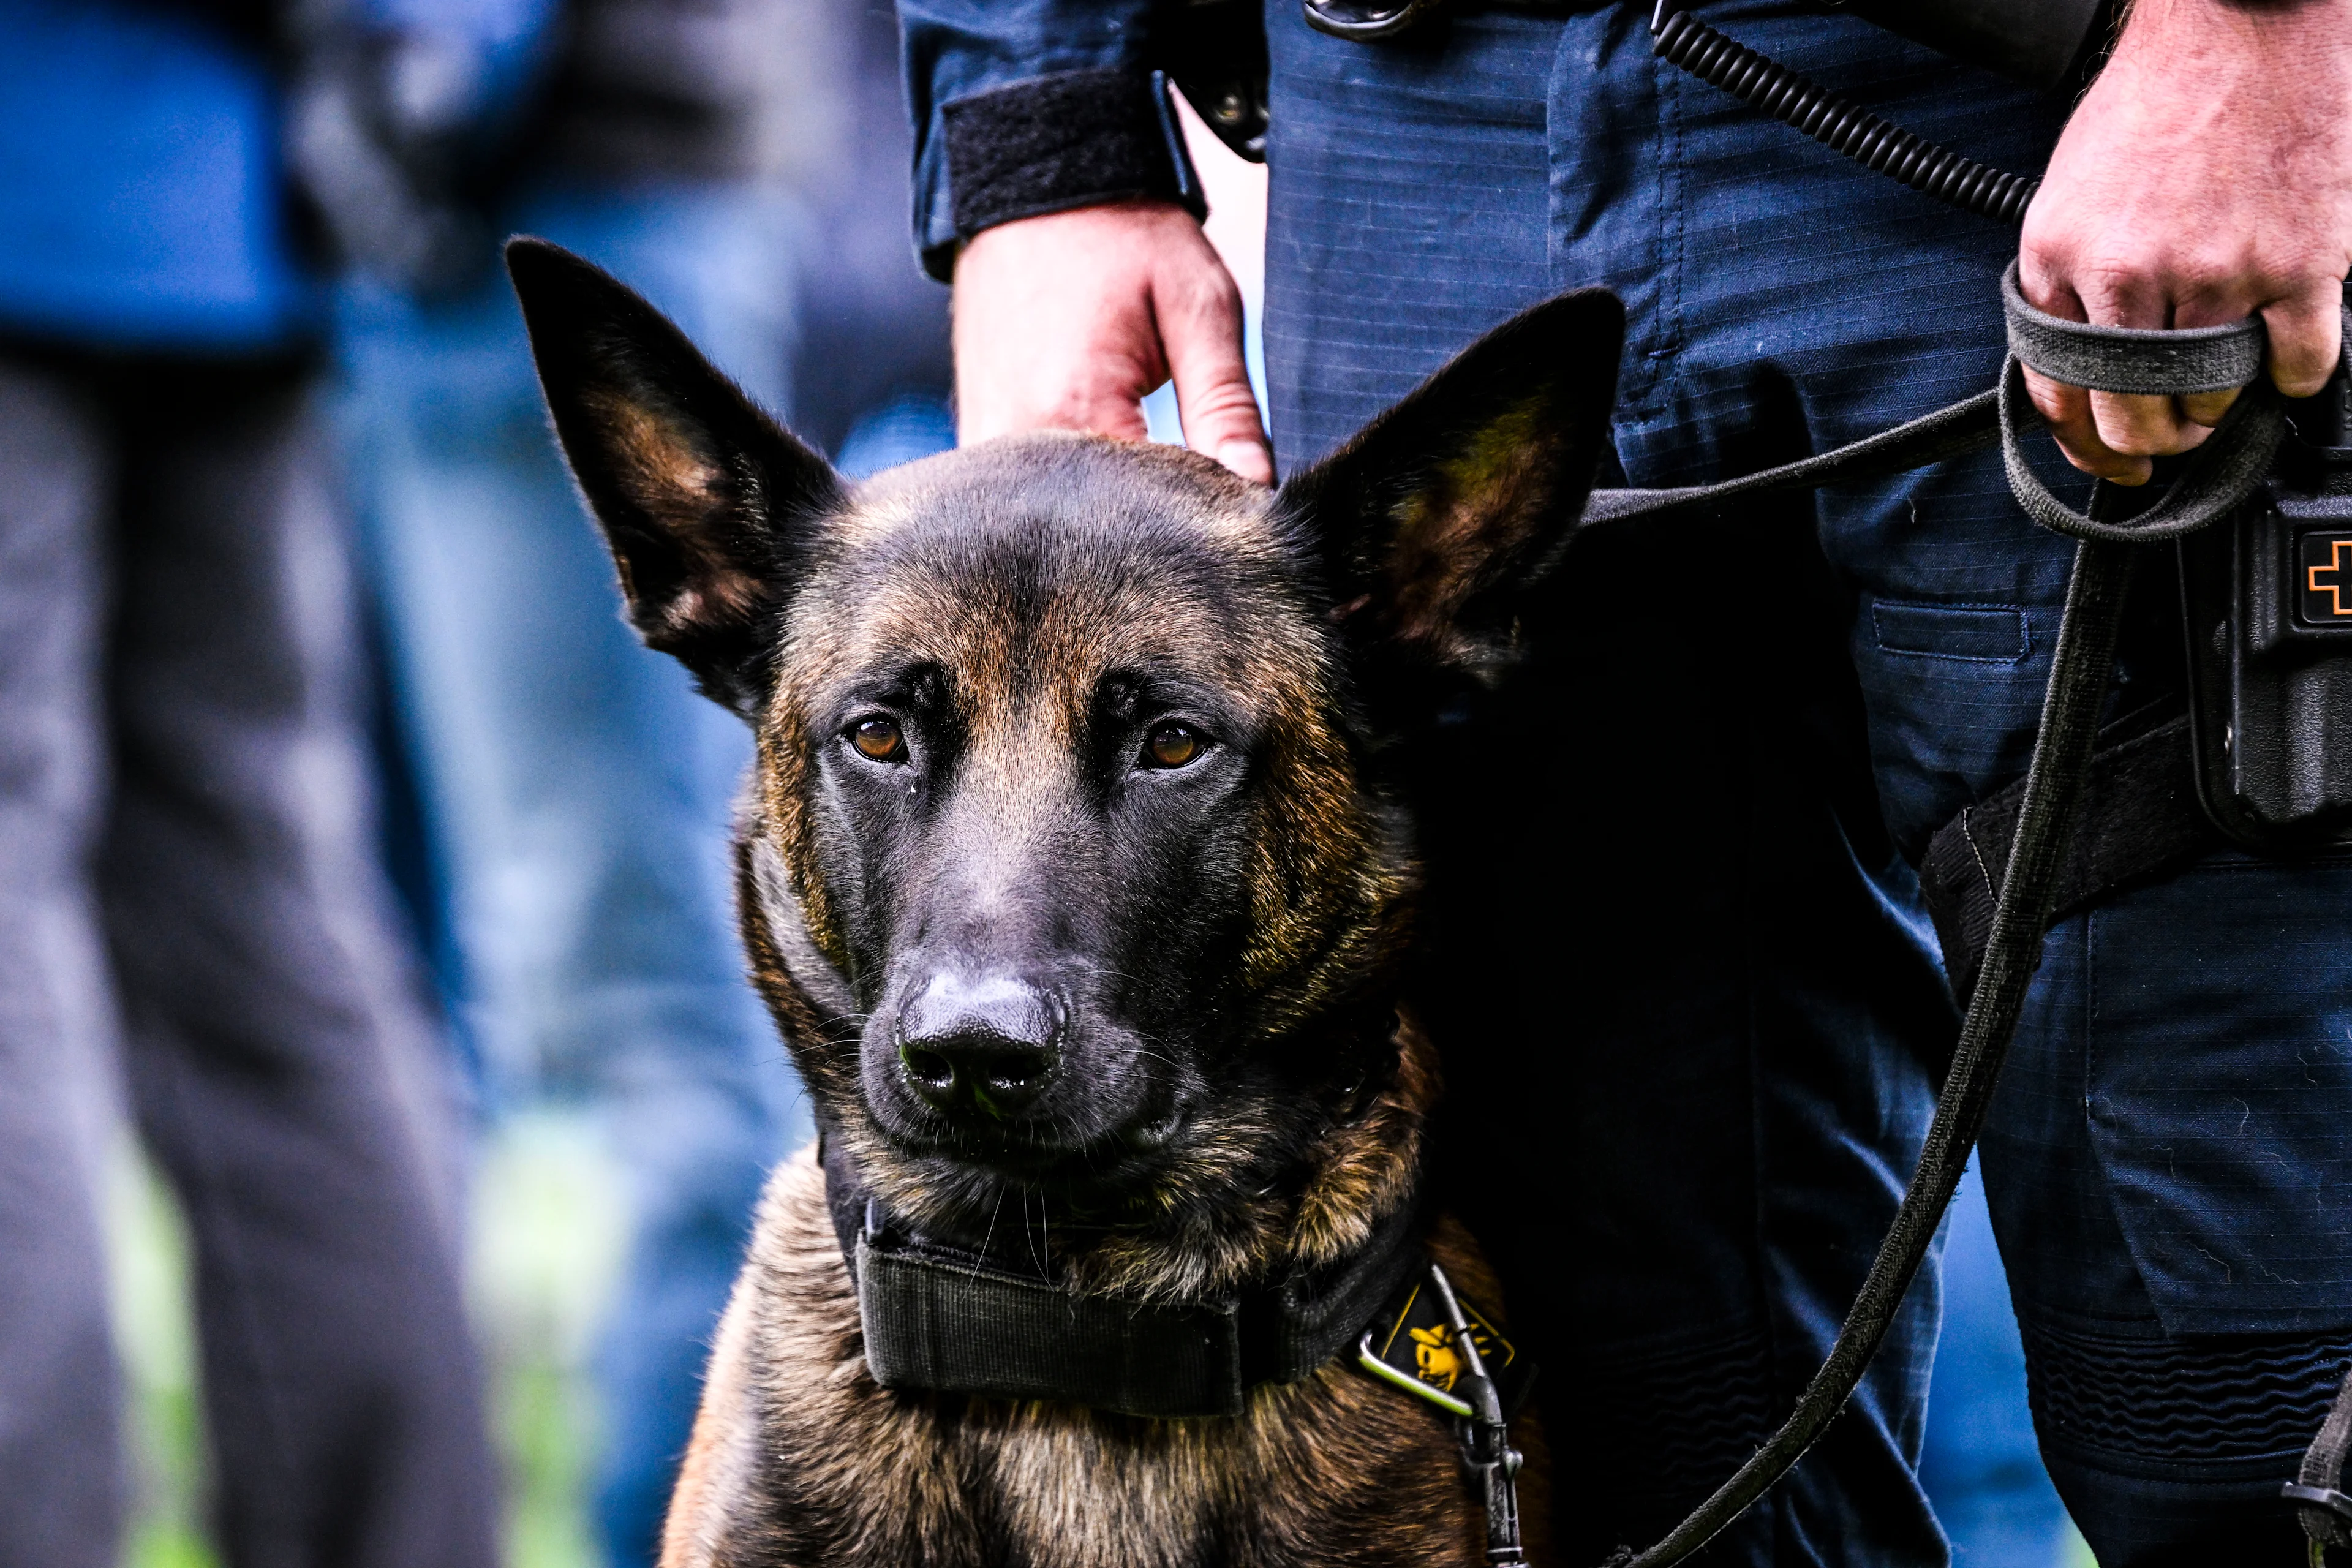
pixel 2221 474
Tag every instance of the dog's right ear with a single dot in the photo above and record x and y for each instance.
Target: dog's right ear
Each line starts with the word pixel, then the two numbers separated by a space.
pixel 708 506
pixel 1437 519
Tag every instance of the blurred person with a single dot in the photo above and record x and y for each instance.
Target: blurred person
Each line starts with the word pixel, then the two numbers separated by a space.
pixel 1977 1460
pixel 741 161
pixel 191 915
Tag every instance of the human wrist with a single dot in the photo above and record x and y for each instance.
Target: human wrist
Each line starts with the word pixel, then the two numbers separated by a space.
pixel 2293 28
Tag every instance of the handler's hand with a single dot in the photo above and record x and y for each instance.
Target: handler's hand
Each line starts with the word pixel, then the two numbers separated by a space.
pixel 2206 176
pixel 1064 321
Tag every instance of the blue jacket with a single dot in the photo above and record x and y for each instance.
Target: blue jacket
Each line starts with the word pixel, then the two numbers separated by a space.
pixel 140 204
pixel 143 201
pixel 1023 107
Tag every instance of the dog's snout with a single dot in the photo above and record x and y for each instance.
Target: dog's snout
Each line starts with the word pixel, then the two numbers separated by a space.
pixel 989 1045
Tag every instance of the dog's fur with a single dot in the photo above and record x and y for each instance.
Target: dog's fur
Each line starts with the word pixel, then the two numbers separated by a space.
pixel 1214 1086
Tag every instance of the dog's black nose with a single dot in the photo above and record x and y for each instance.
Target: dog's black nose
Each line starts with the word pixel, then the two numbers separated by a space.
pixel 988 1044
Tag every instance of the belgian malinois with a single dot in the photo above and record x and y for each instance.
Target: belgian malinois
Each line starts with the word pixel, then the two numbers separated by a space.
pixel 1074 870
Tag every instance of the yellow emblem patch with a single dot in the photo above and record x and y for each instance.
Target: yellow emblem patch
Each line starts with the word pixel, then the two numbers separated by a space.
pixel 1412 1346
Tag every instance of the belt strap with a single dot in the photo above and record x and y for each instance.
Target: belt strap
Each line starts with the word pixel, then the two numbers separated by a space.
pixel 2140 820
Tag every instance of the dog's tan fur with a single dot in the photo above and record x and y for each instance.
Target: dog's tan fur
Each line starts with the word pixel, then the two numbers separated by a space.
pixel 798 1456
pixel 1337 1470
pixel 1028 582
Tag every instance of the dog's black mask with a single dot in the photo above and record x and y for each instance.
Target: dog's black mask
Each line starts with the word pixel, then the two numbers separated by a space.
pixel 1069 862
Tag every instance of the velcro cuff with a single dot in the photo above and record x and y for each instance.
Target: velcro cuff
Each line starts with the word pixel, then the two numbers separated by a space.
pixel 1069 140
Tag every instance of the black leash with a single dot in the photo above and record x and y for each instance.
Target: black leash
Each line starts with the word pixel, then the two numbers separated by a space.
pixel 2217 476
pixel 2320 1504
pixel 2222 472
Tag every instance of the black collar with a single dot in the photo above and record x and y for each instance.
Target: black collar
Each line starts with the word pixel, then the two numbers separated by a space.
pixel 940 1316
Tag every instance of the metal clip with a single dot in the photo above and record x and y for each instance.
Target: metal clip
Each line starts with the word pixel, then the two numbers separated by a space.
pixel 1366 21
pixel 1486 1436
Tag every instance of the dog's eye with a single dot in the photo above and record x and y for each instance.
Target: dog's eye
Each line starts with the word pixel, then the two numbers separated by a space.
pixel 878 739
pixel 1171 745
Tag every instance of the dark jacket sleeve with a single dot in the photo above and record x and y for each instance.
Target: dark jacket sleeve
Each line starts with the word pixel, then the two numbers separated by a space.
pixel 1023 107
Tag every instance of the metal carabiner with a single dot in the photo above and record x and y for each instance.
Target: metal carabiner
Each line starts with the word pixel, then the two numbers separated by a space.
pixel 1366 21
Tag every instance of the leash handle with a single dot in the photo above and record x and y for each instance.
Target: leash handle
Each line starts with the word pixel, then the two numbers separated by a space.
pixel 2156 361
pixel 2214 478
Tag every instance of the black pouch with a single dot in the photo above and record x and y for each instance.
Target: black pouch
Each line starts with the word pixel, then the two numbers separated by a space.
pixel 2267 602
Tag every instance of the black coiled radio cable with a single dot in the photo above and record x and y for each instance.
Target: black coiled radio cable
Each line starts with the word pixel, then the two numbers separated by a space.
pixel 1836 121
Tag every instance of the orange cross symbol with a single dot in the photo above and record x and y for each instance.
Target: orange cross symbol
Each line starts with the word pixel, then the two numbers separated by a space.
pixel 2334 568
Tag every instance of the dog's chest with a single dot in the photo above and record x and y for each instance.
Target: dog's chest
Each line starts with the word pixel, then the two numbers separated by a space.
pixel 1336 1468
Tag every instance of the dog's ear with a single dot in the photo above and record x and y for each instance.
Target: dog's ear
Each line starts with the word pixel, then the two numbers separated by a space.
pixel 706 504
pixel 1435 518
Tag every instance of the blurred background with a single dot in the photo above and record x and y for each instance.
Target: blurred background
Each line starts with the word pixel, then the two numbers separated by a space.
pixel 201 198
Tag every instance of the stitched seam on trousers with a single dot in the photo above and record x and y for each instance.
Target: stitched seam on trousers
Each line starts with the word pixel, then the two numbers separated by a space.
pixel 2189 1402
pixel 1672 238
pixel 1678 1423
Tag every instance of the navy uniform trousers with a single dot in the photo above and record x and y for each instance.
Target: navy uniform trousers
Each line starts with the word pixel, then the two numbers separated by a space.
pixel 1696 1007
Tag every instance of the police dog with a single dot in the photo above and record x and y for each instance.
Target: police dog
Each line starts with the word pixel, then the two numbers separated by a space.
pixel 1075 873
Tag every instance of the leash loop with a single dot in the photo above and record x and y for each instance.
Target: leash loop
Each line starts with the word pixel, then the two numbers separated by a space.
pixel 2213 479
pixel 2162 362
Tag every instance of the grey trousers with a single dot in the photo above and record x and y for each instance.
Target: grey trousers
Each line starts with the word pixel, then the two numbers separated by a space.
pixel 194 925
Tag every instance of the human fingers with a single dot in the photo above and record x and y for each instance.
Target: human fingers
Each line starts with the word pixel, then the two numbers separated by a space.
pixel 2118 295
pixel 2067 411
pixel 2206 408
pixel 2044 274
pixel 2142 426
pixel 1199 315
pixel 2306 331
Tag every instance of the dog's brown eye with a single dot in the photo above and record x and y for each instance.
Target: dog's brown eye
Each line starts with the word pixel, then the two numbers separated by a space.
pixel 1172 745
pixel 878 739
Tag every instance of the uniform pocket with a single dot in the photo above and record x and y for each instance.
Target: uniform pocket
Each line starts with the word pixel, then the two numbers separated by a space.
pixel 1974 634
pixel 2219 1090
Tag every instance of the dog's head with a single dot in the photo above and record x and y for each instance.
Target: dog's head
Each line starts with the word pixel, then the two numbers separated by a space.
pixel 1069 863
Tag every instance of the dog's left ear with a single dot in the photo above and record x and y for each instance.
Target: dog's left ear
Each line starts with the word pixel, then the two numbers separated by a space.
pixel 1437 517
pixel 709 508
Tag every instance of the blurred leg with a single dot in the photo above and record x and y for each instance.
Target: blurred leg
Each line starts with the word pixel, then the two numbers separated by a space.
pixel 269 1033
pixel 60 1504
pixel 1979 1462
pixel 578 788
